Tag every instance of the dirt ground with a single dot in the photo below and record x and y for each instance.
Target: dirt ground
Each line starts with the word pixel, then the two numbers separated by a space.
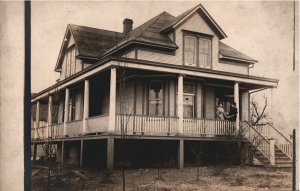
pixel 210 179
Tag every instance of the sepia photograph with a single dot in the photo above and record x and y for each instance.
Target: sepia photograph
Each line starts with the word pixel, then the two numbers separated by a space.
pixel 150 95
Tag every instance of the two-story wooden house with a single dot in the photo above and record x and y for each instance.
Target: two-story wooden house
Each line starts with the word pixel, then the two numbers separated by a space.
pixel 159 84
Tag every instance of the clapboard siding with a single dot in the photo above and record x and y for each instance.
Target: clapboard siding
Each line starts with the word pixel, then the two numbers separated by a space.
pixel 210 103
pixel 130 54
pixel 230 66
pixel 125 105
pixel 158 57
pixel 245 106
pixel 199 100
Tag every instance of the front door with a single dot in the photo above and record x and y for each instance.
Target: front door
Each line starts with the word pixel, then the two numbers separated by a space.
pixel 188 106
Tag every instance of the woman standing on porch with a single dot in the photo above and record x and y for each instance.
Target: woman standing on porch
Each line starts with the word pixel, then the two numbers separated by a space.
pixel 220 111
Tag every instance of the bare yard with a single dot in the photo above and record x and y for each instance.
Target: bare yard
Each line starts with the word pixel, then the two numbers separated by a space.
pixel 210 179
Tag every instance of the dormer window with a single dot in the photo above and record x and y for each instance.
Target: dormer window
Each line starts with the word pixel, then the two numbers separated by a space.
pixel 197 50
pixel 70 61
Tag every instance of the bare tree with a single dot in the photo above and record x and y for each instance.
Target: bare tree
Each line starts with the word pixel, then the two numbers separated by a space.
pixel 197 151
pixel 258 111
pixel 126 114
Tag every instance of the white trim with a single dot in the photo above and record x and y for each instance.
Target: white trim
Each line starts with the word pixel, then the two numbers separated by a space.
pixel 238 59
pixel 208 16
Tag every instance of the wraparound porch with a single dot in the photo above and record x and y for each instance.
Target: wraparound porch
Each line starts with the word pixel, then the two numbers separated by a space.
pixel 139 125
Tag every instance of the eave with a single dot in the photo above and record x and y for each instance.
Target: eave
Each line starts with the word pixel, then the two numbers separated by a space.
pixel 201 8
pixel 154 66
pixel 238 59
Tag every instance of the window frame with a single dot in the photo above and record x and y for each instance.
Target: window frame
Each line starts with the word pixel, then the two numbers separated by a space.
pixel 161 99
pixel 195 50
pixel 197 36
pixel 70 59
pixel 188 94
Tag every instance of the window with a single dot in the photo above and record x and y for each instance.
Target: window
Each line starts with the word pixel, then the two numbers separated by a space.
pixel 72 108
pixel 155 98
pixel 190 51
pixel 204 52
pixel 188 100
pixel 197 51
pixel 70 61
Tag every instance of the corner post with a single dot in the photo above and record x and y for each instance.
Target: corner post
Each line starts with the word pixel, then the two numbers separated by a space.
pixel 272 152
pixel 34 151
pixel 110 153
pixel 62 152
pixel 81 152
pixel 180 103
pixel 86 105
pixel 181 154
pixel 37 119
pixel 66 110
pixel 237 100
pixel 49 124
pixel 112 100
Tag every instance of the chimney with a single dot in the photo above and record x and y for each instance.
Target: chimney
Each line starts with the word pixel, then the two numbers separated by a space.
pixel 127 25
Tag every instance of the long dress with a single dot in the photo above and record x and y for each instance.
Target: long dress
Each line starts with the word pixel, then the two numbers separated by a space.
pixel 220 113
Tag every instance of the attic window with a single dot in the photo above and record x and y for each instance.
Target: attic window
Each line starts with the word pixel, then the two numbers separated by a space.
pixel 70 61
pixel 197 50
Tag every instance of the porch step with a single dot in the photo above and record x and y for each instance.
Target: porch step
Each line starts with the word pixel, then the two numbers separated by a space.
pixel 281 160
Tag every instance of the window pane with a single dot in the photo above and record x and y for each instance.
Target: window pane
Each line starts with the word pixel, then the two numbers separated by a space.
pixel 204 52
pixel 155 98
pixel 190 51
pixel 189 88
pixel 188 106
pixel 155 90
pixel 155 107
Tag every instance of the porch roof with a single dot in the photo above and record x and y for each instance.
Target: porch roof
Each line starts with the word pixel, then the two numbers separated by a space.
pixel 252 82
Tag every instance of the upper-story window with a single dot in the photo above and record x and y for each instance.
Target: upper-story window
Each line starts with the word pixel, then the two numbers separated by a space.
pixel 70 61
pixel 197 50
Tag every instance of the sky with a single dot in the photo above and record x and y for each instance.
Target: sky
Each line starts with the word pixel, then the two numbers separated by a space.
pixel 262 30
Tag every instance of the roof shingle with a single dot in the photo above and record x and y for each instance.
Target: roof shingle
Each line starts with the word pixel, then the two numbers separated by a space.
pixel 93 42
pixel 228 51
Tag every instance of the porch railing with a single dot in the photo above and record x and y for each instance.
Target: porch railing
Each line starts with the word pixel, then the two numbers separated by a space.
pixel 97 124
pixel 41 132
pixel 57 130
pixel 257 140
pixel 147 124
pixel 281 141
pixel 208 127
pixel 74 128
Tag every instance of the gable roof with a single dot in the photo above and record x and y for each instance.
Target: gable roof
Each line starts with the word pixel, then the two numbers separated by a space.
pixel 231 53
pixel 93 43
pixel 90 42
pixel 184 16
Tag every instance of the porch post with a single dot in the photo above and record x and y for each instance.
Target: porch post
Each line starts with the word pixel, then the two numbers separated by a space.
pixel 49 124
pixel 81 152
pixel 110 153
pixel 66 110
pixel 180 103
pixel 112 100
pixel 236 100
pixel 272 151
pixel 62 152
pixel 37 119
pixel 34 151
pixel 86 105
pixel 181 154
